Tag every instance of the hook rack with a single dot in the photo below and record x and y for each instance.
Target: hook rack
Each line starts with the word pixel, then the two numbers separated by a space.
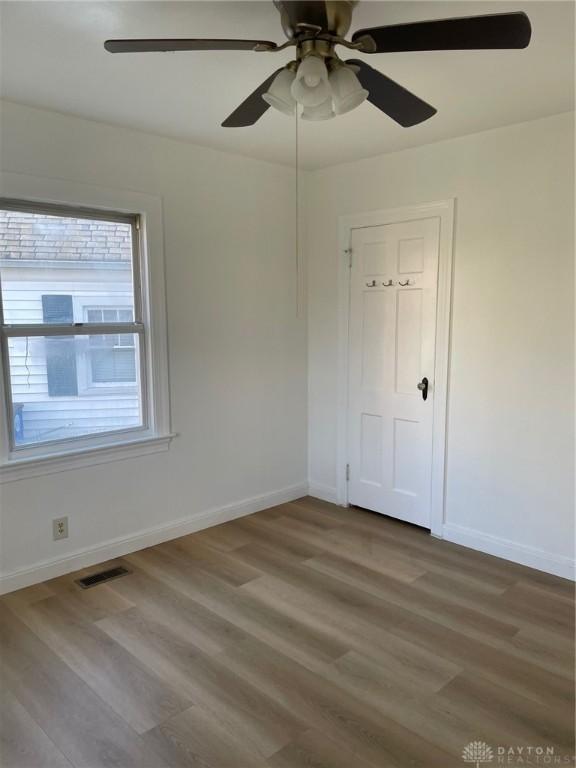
pixel 390 283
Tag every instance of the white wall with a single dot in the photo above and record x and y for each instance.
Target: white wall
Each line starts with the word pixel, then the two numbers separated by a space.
pixel 510 433
pixel 238 351
pixel 237 348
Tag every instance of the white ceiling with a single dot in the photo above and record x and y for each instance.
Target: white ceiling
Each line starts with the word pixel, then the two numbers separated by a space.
pixel 52 57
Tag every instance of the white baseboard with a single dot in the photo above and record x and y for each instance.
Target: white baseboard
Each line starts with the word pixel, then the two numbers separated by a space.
pixel 558 565
pixel 49 569
pixel 324 492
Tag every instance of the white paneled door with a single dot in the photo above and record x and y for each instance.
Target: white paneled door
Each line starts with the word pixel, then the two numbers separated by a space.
pixel 393 288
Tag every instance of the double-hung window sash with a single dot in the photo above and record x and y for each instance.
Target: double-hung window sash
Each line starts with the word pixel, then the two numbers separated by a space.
pixel 53 387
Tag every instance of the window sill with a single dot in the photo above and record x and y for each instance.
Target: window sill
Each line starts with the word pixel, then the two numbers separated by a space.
pixel 21 469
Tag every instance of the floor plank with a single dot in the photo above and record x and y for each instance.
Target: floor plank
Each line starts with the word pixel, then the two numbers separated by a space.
pixel 81 725
pixel 526 721
pixel 195 738
pixel 211 686
pixel 303 635
pixel 141 698
pixel 315 750
pixel 23 744
pixel 334 711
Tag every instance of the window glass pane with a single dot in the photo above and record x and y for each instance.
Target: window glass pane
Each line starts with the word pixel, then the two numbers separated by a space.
pixel 69 386
pixel 52 267
pixel 113 365
pixel 93 315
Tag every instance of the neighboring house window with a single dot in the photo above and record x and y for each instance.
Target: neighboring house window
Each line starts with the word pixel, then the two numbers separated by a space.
pixel 74 341
pixel 112 358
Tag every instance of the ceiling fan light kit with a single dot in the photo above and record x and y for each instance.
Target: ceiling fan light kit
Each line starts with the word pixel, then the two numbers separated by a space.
pixel 279 95
pixel 324 111
pixel 325 85
pixel 322 94
pixel 310 87
pixel 347 92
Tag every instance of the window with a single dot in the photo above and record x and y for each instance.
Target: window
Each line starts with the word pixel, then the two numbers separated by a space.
pixel 75 346
pixel 112 359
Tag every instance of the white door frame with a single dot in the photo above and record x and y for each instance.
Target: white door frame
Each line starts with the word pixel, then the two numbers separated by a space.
pixel 444 210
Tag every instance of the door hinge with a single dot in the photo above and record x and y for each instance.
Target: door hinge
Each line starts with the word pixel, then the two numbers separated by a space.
pixel 348 252
pixel 347 473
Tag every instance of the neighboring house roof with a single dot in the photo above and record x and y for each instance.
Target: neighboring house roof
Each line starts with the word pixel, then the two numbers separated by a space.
pixel 37 237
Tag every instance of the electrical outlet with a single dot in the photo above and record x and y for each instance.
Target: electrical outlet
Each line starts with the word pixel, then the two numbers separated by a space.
pixel 60 528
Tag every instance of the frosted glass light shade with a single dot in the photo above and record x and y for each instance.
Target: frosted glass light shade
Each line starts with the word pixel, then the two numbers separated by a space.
pixel 323 111
pixel 346 90
pixel 311 87
pixel 279 95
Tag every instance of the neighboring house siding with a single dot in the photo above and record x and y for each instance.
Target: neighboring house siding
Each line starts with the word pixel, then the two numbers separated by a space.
pixel 91 263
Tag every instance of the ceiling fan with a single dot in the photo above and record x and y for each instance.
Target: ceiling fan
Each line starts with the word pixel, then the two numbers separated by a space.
pixel 321 82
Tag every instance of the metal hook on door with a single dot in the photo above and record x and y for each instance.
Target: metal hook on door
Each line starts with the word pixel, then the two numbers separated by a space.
pixel 371 285
pixel 388 284
pixel 404 284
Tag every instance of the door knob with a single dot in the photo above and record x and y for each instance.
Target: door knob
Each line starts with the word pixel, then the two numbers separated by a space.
pixel 423 387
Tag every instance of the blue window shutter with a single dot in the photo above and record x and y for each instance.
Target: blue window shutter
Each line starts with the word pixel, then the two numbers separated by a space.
pixel 57 310
pixel 60 350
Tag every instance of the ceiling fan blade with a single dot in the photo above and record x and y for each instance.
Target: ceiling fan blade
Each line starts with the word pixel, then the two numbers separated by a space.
pixel 398 103
pixel 251 108
pixel 500 30
pixel 186 44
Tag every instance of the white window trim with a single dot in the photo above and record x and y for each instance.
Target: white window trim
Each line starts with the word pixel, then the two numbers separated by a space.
pixel 81 452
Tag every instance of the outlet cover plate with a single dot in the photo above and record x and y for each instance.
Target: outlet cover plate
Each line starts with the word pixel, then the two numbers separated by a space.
pixel 60 528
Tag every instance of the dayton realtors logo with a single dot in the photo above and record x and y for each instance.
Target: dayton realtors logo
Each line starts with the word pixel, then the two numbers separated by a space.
pixel 478 753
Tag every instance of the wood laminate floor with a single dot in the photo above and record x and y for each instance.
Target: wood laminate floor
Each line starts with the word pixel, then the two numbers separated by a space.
pixel 304 635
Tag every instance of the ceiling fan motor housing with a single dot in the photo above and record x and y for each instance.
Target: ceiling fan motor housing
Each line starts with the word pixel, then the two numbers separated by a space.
pixel 298 16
